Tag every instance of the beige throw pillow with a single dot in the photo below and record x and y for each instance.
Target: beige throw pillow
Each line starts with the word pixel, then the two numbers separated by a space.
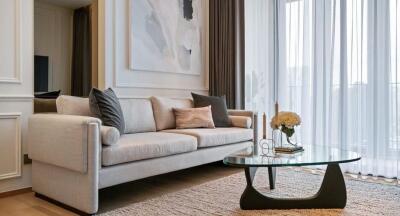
pixel 163 111
pixel 194 118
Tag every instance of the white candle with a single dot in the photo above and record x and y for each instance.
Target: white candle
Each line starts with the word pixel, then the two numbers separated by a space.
pixel 264 126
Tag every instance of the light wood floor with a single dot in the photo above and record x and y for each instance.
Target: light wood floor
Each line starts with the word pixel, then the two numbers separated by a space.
pixel 121 195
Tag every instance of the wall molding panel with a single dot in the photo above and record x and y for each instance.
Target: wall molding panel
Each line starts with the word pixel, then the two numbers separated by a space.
pixel 17 78
pixel 16 91
pixel 14 146
pixel 21 98
pixel 157 86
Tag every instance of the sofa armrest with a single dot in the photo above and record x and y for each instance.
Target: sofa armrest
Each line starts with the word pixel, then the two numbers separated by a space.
pixel 255 120
pixel 62 140
pixel 245 113
pixel 240 121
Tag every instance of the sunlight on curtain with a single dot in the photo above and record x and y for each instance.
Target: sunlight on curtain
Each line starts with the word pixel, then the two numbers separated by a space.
pixel 338 67
pixel 259 55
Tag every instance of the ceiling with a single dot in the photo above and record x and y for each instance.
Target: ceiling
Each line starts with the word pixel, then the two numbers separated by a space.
pixel 73 4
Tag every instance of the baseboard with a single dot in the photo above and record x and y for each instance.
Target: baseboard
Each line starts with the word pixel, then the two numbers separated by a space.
pixel 15 192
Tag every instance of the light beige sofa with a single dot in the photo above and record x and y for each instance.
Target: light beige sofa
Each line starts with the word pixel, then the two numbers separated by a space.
pixel 70 163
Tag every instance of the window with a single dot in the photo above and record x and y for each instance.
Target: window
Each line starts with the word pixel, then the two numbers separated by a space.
pixel 336 64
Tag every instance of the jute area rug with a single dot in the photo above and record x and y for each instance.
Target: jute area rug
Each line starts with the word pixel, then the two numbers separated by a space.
pixel 221 197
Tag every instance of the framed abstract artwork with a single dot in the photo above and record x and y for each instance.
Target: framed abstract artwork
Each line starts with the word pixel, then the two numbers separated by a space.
pixel 167 36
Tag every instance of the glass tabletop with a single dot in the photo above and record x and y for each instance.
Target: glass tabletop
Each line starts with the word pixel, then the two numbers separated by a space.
pixel 312 155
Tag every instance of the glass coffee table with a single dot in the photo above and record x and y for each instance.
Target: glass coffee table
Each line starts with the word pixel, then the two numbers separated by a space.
pixel 332 193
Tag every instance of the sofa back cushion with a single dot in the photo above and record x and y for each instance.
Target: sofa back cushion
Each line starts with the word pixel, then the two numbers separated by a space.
pixel 138 115
pixel 163 111
pixel 70 105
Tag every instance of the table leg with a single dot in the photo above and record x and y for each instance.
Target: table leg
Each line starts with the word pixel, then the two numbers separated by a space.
pixel 272 177
pixel 332 194
pixel 251 172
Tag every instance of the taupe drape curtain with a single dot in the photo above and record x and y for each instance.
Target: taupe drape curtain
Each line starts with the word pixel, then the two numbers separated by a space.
pixel 81 74
pixel 227 51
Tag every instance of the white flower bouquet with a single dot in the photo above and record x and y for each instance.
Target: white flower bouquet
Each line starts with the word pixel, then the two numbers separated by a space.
pixel 286 121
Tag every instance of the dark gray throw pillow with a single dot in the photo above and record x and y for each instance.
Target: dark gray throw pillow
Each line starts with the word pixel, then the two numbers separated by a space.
pixel 219 109
pixel 105 105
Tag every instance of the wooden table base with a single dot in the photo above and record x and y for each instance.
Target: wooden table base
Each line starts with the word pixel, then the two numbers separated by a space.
pixel 332 193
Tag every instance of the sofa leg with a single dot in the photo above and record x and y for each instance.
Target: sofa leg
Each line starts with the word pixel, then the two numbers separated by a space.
pixel 62 205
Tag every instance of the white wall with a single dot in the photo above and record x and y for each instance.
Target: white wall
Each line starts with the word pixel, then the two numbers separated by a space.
pixel 53 38
pixel 114 60
pixel 16 90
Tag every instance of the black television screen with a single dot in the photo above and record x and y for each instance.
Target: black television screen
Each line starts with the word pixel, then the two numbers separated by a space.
pixel 41 73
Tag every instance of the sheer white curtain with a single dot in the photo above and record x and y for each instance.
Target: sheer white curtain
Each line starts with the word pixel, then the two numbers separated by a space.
pixel 337 65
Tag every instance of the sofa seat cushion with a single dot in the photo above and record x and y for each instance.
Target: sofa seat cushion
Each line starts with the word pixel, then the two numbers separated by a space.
pixel 140 146
pixel 208 137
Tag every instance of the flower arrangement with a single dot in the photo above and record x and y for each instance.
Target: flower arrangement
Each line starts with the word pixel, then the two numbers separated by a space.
pixel 286 121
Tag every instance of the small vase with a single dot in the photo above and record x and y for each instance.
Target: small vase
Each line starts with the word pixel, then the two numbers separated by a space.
pixel 281 140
